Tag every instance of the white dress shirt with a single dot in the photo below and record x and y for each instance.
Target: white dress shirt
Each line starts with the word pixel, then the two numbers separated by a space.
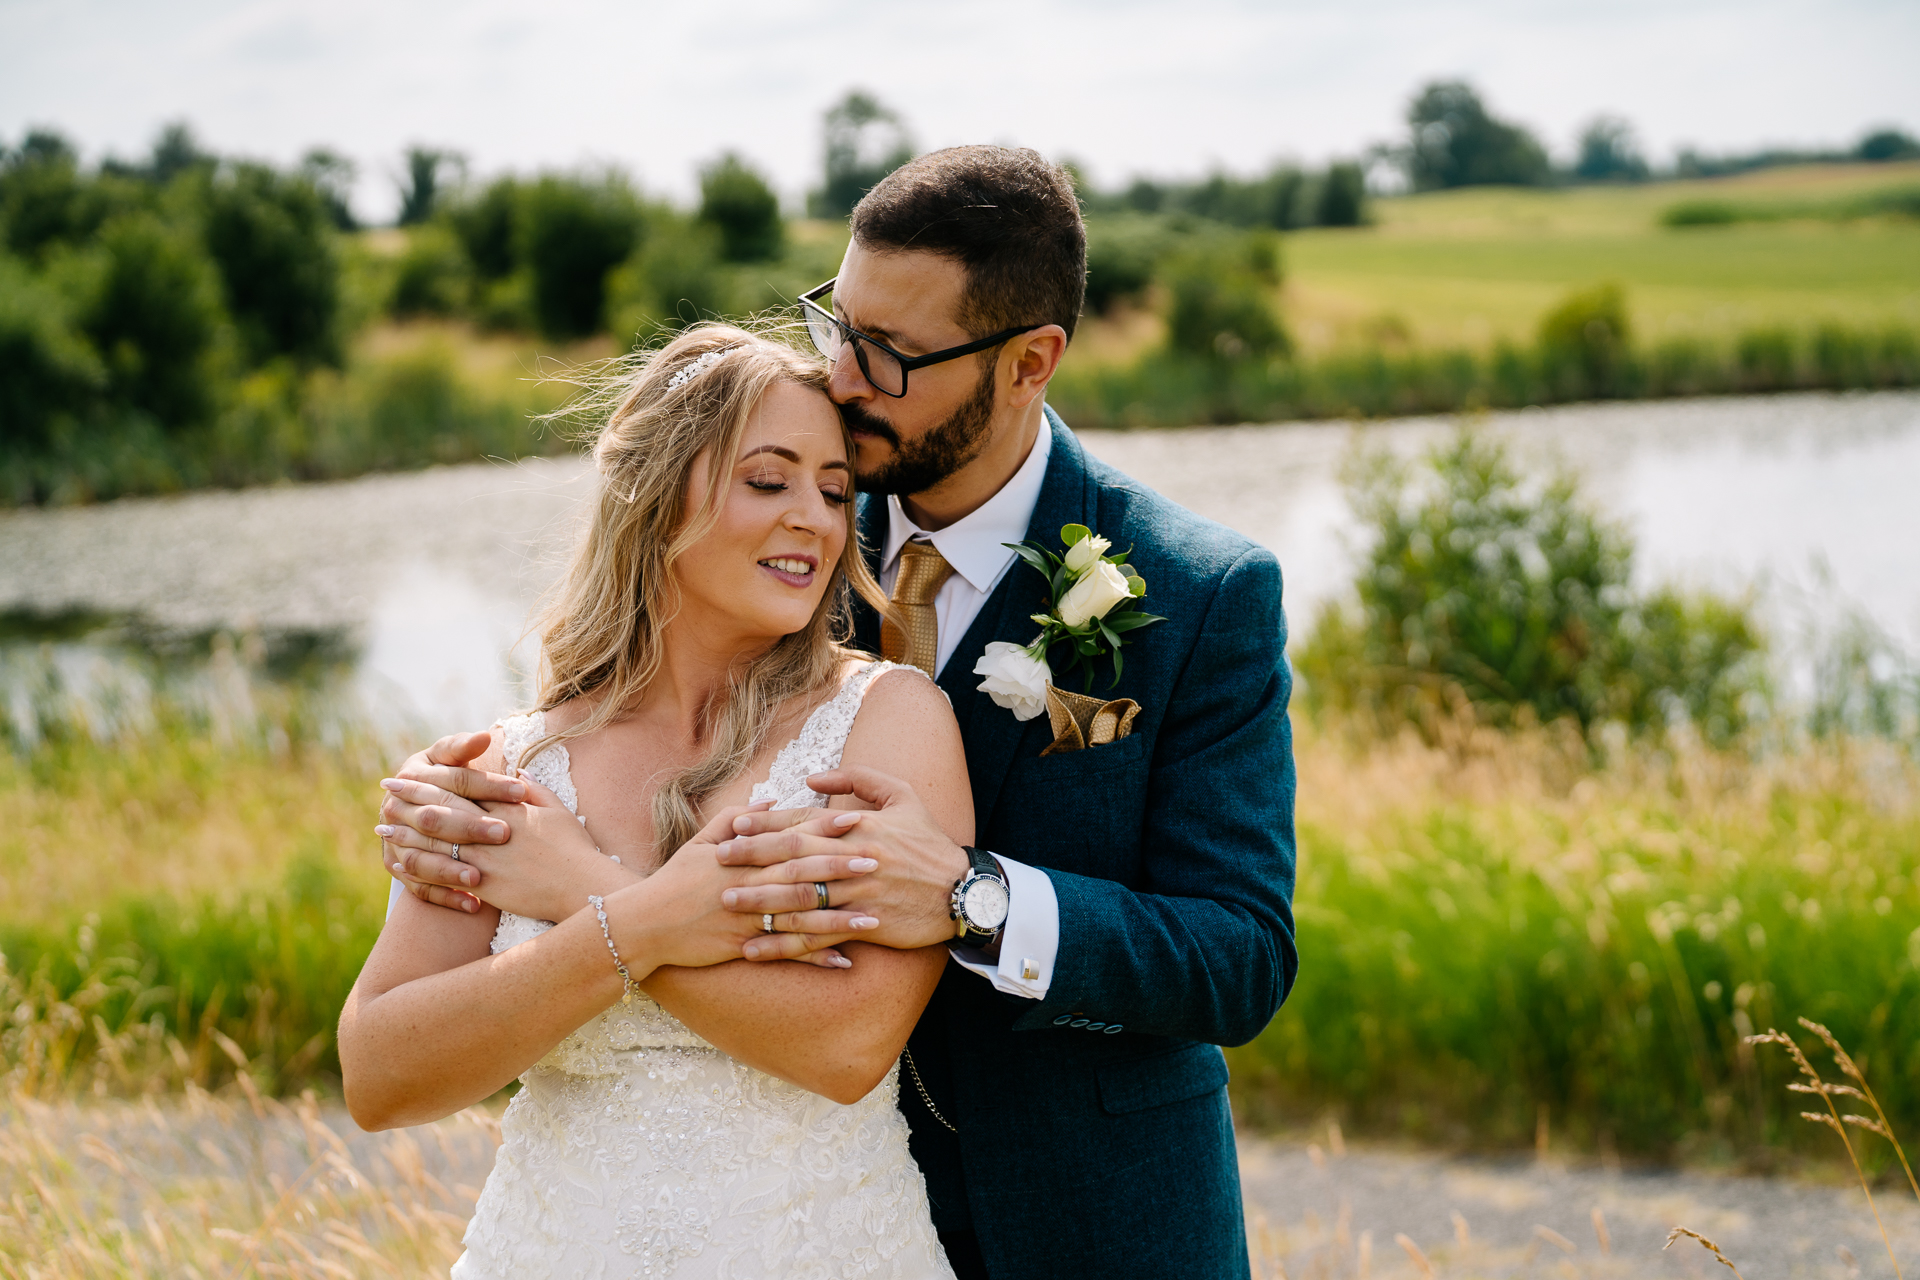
pixel 975 546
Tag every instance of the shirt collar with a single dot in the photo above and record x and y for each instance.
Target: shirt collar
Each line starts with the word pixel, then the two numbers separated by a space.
pixel 975 544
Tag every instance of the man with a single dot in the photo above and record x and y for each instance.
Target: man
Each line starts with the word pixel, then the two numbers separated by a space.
pixel 1067 1100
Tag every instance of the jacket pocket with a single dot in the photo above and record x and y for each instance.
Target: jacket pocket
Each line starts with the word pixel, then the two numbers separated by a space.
pixel 1191 1072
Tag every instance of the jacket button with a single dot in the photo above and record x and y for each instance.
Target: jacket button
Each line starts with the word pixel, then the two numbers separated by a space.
pixel 1115 1027
pixel 1078 1022
pixel 1063 1020
pixel 1095 1026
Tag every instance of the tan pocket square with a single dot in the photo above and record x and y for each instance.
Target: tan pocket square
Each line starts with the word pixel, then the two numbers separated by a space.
pixel 1080 722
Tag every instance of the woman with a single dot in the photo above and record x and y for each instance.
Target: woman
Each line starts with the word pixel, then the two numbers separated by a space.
pixel 683 1112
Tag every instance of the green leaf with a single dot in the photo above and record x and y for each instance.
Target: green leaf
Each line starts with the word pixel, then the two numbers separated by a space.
pixel 1128 621
pixel 1072 533
pixel 1120 560
pixel 1116 665
pixel 1136 584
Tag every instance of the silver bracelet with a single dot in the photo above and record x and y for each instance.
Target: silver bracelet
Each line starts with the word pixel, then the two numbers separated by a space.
pixel 599 905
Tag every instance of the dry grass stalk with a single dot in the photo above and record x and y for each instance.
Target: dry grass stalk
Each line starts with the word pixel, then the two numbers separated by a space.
pixel 1831 1117
pixel 1554 1238
pixel 1880 1124
pixel 1414 1252
pixel 1705 1243
pixel 1600 1231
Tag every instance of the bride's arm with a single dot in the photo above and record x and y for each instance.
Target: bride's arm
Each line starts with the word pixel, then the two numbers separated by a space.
pixel 836 1032
pixel 435 1023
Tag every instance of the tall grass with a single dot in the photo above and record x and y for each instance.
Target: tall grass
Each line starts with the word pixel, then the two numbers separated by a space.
pixel 1493 931
pixel 230 1186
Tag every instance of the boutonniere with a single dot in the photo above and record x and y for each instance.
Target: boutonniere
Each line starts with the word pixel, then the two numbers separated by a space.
pixel 1093 602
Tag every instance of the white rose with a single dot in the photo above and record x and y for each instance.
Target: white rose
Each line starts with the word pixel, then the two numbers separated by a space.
pixel 1015 679
pixel 1082 554
pixel 1094 595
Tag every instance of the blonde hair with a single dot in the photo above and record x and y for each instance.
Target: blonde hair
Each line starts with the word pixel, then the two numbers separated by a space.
pixel 601 627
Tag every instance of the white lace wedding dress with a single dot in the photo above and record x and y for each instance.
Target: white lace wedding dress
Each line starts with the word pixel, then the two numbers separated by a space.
pixel 635 1148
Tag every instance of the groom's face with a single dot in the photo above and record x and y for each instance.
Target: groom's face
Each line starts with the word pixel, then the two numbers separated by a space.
pixel 910 301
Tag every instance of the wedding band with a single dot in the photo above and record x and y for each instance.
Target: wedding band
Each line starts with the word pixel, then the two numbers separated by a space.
pixel 456 853
pixel 766 922
pixel 819 896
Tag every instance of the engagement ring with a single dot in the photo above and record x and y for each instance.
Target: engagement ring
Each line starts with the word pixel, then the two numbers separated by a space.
pixel 766 922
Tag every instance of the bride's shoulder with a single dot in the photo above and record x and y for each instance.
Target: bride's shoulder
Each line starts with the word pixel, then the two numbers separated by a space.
pixel 891 693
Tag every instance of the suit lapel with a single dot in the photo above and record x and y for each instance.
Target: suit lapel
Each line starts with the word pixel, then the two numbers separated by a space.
pixel 992 735
pixel 872 528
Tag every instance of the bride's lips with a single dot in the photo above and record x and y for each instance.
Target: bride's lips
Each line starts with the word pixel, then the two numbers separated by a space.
pixel 795 571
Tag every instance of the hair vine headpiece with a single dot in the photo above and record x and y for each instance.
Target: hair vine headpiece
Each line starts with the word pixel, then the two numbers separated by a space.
pixel 695 367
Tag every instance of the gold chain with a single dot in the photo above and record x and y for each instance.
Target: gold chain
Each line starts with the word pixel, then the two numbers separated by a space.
pixel 907 1056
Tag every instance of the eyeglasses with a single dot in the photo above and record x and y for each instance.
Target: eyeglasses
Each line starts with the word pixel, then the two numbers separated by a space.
pixel 882 366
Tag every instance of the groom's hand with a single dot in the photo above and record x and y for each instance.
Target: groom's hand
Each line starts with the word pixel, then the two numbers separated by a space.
pixel 910 893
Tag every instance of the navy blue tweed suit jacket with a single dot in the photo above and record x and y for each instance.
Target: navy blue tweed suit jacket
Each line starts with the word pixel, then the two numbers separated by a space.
pixel 1093 1131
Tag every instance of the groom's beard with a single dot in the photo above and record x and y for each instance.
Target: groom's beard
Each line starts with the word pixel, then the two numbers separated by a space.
pixel 923 464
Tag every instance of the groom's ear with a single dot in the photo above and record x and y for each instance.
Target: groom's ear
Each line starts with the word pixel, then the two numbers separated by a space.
pixel 1033 359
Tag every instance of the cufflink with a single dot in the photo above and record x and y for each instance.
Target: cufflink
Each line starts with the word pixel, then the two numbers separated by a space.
pixel 1029 970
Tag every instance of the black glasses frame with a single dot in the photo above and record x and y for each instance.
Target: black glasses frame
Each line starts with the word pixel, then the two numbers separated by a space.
pixel 809 301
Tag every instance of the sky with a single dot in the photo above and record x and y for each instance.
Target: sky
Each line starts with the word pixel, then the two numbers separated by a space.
pixel 1124 87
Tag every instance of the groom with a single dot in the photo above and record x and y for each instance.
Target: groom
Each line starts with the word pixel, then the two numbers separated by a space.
pixel 1066 1096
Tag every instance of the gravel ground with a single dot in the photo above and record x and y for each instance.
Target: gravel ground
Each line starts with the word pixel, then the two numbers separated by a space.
pixel 1311 1214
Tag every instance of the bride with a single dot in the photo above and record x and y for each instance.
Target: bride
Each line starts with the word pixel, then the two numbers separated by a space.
pixel 682 1112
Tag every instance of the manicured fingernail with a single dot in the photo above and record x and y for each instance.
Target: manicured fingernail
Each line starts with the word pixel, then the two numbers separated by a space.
pixel 865 922
pixel 384 831
pixel 760 806
pixel 469 877
pixel 840 962
pixel 391 784
pixel 863 864
pixel 730 899
pixel 846 820
pixel 498 830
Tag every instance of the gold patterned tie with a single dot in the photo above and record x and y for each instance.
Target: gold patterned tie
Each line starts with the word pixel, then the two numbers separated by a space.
pixel 922 571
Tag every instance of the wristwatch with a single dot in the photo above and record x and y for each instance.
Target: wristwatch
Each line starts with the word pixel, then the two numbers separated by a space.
pixel 979 904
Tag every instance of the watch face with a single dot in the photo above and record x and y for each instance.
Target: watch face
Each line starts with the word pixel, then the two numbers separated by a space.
pixel 985 903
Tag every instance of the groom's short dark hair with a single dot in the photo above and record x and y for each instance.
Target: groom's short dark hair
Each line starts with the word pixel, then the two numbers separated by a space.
pixel 1006 214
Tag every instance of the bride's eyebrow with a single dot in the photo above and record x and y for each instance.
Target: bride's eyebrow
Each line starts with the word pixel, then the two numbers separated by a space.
pixel 780 451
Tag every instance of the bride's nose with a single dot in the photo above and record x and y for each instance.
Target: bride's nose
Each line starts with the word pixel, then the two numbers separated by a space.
pixel 809 514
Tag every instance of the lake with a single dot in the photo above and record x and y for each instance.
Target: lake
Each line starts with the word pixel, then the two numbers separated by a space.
pixel 413 588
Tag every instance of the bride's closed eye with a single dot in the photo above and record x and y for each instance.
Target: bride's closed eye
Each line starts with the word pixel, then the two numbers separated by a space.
pixel 835 496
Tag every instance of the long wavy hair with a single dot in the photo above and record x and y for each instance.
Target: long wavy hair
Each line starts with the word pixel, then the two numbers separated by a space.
pixel 601 627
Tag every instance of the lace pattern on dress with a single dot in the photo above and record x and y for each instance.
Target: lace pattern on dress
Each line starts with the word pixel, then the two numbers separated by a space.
pixel 635 1148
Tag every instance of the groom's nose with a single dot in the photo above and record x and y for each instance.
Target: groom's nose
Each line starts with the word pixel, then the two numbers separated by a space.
pixel 845 382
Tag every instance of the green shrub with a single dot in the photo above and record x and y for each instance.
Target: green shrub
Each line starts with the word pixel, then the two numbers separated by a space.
pixel 485 225
pixel 1701 213
pixel 273 241
pixel 50 375
pixel 432 277
pixel 153 311
pixel 568 234
pixel 1766 360
pixel 1480 589
pixel 736 200
pixel 1343 197
pixel 1123 252
pixel 675 280
pixel 1220 299
pixel 1584 341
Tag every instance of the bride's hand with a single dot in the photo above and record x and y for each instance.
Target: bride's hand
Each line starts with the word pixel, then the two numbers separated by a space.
pixel 679 908
pixel 548 863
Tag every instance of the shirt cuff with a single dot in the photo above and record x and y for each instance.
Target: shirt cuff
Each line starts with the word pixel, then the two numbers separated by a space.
pixel 1030 940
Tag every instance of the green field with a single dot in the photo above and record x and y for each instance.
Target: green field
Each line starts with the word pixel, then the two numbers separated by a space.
pixel 1470 267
